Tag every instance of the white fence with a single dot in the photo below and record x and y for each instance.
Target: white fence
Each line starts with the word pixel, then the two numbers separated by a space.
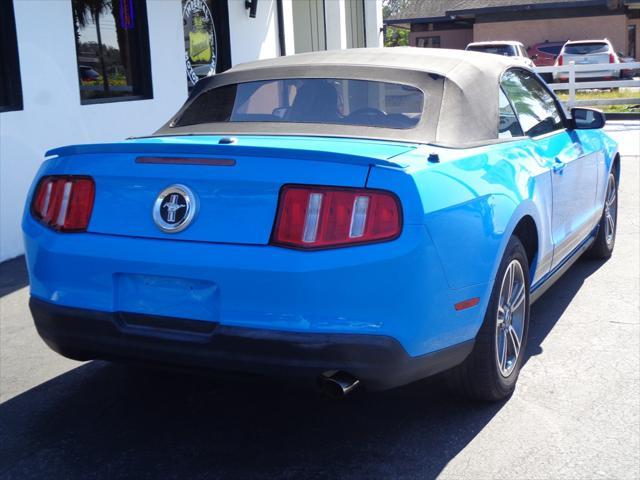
pixel 571 68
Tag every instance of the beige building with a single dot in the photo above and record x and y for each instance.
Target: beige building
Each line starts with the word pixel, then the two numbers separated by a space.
pixel 455 23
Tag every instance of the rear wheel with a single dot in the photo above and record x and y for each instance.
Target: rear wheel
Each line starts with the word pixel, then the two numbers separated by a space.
pixel 606 239
pixel 491 370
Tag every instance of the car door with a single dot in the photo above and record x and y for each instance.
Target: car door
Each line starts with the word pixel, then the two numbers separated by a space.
pixel 572 164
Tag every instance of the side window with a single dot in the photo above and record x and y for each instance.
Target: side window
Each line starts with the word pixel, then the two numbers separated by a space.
pixel 535 107
pixel 10 87
pixel 508 125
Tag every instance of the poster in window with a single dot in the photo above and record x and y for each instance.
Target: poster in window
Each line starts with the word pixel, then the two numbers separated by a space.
pixel 199 39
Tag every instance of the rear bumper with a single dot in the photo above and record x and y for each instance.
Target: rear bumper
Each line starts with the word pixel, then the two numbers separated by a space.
pixel 380 362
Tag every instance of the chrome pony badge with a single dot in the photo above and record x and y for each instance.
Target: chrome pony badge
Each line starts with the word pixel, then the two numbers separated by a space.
pixel 174 208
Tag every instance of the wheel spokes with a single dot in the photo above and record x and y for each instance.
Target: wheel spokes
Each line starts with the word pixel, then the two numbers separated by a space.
pixel 503 355
pixel 518 298
pixel 515 342
pixel 610 224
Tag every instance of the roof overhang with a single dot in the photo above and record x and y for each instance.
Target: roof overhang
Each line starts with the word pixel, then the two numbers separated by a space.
pixel 471 13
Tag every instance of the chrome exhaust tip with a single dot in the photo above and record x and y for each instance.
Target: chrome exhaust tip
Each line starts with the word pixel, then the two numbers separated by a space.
pixel 337 384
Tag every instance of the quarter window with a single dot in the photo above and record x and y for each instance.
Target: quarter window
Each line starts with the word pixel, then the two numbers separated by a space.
pixel 508 125
pixel 112 47
pixel 536 109
pixel 10 88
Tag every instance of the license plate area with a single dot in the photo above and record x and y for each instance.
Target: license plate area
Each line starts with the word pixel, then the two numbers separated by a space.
pixel 165 298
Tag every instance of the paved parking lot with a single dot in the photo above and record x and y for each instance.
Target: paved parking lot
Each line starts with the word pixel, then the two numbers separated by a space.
pixel 574 415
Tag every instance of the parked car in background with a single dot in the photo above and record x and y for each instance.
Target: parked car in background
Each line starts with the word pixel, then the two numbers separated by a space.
pixel 352 231
pixel 631 72
pixel 512 49
pixel 545 54
pixel 588 52
pixel 88 74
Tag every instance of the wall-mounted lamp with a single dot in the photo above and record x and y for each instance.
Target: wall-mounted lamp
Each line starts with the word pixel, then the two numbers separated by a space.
pixel 252 6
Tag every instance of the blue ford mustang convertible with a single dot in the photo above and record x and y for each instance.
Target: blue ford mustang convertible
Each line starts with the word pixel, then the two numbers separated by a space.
pixel 367 217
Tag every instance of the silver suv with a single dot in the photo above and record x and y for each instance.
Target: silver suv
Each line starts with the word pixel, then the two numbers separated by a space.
pixel 588 52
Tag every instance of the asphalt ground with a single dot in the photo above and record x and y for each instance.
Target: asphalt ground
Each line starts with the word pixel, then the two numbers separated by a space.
pixel 575 413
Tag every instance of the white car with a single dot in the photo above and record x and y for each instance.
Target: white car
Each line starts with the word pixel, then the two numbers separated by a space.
pixel 508 48
pixel 588 52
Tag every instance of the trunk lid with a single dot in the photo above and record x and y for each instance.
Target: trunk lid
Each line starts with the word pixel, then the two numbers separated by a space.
pixel 235 186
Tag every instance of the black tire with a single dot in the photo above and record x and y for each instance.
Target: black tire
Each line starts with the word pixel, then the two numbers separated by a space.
pixel 605 241
pixel 479 376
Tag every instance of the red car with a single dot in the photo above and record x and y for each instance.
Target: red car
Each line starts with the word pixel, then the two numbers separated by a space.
pixel 544 54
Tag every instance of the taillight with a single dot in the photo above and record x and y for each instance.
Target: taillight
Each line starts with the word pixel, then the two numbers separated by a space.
pixel 559 60
pixel 64 202
pixel 612 58
pixel 322 217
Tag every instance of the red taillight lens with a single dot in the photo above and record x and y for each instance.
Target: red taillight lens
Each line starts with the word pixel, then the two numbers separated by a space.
pixel 322 217
pixel 559 60
pixel 612 58
pixel 64 202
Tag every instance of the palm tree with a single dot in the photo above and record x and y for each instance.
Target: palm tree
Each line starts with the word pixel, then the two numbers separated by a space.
pixel 83 10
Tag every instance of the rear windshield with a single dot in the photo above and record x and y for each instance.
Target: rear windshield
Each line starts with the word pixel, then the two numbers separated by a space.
pixel 505 50
pixel 309 100
pixel 552 49
pixel 586 48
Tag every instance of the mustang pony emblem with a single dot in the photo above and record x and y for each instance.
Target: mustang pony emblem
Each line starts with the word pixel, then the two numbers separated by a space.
pixel 174 208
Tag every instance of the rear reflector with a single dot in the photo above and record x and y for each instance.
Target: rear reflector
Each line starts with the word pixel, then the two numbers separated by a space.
pixel 324 217
pixel 64 202
pixel 472 302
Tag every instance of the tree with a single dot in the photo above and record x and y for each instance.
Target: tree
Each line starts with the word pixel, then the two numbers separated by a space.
pixel 395 35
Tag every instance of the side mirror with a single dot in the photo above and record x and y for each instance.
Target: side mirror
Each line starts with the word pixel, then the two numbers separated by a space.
pixel 587 118
pixel 534 56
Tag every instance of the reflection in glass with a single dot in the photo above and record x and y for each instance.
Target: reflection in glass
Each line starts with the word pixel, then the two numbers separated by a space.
pixel 309 100
pixel 108 48
pixel 536 109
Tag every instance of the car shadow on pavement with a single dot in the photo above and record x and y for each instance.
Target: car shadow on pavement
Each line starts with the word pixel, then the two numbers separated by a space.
pixel 13 276
pixel 550 307
pixel 103 420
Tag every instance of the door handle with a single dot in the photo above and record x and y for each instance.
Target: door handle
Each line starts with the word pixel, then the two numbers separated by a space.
pixel 558 165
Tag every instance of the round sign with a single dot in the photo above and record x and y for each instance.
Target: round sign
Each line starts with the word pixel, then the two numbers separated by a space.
pixel 201 50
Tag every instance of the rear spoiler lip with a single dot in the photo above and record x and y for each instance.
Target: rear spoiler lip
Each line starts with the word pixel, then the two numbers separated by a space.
pixel 227 151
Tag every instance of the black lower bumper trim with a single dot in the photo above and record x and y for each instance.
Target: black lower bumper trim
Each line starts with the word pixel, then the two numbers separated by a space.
pixel 380 362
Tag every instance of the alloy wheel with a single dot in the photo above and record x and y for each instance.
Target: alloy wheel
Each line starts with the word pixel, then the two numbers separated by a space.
pixel 610 211
pixel 510 318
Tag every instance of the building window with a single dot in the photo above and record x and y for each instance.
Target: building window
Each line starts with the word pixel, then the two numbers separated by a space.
pixel 631 34
pixel 10 88
pixel 428 42
pixel 112 47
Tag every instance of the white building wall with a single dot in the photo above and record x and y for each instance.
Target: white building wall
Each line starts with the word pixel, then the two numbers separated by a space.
pixel 253 38
pixel 52 115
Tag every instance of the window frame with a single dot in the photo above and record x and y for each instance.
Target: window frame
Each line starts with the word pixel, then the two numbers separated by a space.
pixel 556 102
pixel 144 52
pixel 9 60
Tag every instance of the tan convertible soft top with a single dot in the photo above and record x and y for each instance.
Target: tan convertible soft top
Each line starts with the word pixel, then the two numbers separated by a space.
pixel 462 109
